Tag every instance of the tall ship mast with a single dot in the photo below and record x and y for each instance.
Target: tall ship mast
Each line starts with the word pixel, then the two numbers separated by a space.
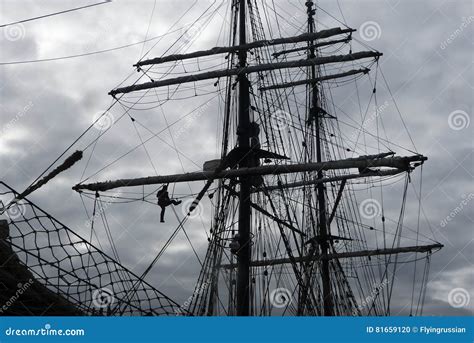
pixel 289 235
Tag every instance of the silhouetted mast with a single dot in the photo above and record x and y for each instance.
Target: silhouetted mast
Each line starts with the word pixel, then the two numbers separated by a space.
pixel 320 188
pixel 243 132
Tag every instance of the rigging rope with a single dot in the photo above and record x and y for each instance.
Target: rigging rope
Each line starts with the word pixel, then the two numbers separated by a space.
pixel 55 13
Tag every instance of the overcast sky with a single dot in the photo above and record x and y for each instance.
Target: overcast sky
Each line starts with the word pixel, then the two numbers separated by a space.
pixel 428 55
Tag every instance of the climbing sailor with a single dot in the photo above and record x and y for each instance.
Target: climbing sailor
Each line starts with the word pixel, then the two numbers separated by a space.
pixel 164 201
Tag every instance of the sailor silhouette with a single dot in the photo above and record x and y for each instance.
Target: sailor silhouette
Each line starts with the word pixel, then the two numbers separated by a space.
pixel 164 201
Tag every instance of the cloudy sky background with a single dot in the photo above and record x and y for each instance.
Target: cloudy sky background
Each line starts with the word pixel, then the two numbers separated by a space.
pixel 427 48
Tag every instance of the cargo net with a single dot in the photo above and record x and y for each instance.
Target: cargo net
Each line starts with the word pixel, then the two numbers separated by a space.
pixel 81 279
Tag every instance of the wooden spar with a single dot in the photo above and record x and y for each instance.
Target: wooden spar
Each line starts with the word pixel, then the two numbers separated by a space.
pixel 402 163
pixel 317 79
pixel 68 163
pixel 247 70
pixel 362 253
pixel 317 45
pixel 330 179
pixel 257 44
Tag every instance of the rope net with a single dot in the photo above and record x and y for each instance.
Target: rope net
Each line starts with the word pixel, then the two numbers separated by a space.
pixel 59 272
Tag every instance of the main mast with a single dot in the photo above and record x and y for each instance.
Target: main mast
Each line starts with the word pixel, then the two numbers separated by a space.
pixel 320 188
pixel 243 132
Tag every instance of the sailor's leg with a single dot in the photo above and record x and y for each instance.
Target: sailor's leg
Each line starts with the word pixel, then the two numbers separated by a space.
pixel 162 216
pixel 176 202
